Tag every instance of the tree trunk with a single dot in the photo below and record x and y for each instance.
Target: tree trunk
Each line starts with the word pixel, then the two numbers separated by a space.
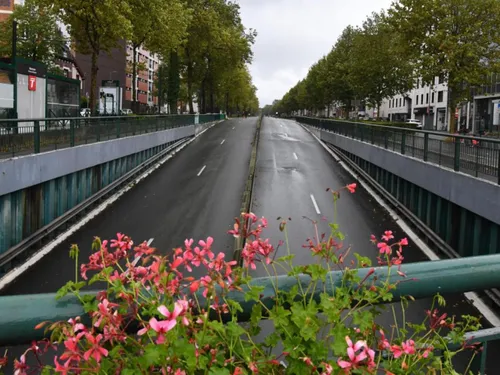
pixel 134 78
pixel 190 85
pixel 378 110
pixel 173 81
pixel 93 82
pixel 452 106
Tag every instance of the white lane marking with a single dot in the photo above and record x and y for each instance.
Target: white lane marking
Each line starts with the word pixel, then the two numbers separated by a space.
pixel 201 171
pixel 487 313
pixel 18 271
pixel 315 205
pixel 295 156
pixel 223 141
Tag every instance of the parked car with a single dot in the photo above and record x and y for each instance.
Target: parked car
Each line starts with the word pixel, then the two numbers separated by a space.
pixel 415 122
pixel 126 112
pixel 85 112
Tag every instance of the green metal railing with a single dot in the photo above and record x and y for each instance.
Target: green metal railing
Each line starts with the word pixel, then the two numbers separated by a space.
pixel 27 136
pixel 20 314
pixel 477 156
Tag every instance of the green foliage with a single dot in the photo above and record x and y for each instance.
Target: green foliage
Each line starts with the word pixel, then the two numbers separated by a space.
pixel 455 39
pixel 38 36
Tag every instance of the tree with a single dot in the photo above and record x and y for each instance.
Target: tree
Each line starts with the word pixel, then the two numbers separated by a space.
pixel 173 81
pixel 455 39
pixel 95 26
pixel 378 69
pixel 217 41
pixel 160 84
pixel 157 25
pixel 338 72
pixel 38 36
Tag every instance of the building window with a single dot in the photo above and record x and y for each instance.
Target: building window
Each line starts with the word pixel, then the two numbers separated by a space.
pixel 440 96
pixel 417 99
pixel 404 101
pixel 432 98
pixel 440 79
pixel 427 98
pixel 389 103
pixel 422 99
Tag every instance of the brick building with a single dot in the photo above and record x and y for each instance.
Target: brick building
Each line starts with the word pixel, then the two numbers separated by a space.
pixel 117 65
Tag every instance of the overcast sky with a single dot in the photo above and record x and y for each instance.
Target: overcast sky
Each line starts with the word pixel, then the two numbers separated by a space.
pixel 294 34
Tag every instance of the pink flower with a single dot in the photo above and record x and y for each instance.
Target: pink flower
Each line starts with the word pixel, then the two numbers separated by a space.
pixel 404 242
pixel 328 369
pixel 235 231
pixel 407 347
pixel 63 369
pixel 354 359
pixel 207 247
pixel 387 236
pixel 351 188
pixel 307 361
pixel 384 248
pixel 96 351
pixel 163 326
pixel 20 367
pixel 373 239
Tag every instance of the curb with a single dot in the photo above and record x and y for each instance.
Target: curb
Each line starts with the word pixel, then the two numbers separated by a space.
pixel 239 243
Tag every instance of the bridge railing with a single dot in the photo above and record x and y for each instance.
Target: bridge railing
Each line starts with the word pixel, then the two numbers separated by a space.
pixel 27 136
pixel 20 314
pixel 477 156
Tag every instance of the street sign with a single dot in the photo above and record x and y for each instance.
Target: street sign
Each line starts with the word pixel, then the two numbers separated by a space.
pixel 32 83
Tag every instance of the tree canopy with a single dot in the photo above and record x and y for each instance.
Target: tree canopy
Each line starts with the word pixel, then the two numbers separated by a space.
pixel 203 45
pixel 455 39
pixel 38 36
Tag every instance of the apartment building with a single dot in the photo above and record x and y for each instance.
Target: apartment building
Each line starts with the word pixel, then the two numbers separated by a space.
pixel 6 8
pixel 145 78
pixel 117 66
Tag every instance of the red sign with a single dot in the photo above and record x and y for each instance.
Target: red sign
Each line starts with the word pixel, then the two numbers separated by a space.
pixel 32 83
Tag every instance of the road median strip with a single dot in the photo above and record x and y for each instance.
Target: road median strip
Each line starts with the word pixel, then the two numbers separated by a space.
pixel 239 243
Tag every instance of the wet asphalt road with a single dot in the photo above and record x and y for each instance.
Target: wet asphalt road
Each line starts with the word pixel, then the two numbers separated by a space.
pixel 292 166
pixel 172 204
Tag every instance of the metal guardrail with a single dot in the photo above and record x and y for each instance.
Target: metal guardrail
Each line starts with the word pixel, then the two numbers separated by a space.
pixel 20 314
pixel 53 228
pixel 27 136
pixel 477 156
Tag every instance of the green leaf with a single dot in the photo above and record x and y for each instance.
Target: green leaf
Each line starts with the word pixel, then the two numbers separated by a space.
pixel 339 345
pixel 254 293
pixel 153 354
pixel 219 371
pixel 279 315
pixel 234 330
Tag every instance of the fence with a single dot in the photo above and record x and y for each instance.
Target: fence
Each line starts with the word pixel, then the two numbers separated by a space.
pixel 23 137
pixel 477 156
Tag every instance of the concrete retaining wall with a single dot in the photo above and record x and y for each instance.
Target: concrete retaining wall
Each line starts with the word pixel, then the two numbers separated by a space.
pixel 25 171
pixel 478 196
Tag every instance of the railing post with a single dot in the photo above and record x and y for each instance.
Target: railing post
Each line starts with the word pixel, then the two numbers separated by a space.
pixel 72 133
pixel 36 134
pixel 456 160
pixel 118 127
pixel 98 130
pixel 426 146
pixel 498 167
pixel 403 142
pixel 372 135
pixel 386 139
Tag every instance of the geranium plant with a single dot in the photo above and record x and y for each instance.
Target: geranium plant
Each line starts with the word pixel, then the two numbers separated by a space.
pixel 154 317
